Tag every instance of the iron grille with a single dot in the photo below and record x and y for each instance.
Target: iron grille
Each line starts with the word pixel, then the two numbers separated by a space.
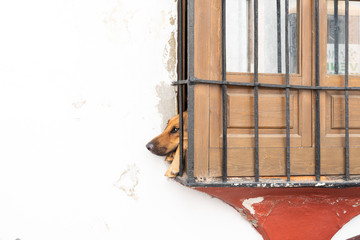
pixel 191 81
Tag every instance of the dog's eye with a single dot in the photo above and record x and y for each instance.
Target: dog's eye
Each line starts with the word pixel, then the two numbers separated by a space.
pixel 174 130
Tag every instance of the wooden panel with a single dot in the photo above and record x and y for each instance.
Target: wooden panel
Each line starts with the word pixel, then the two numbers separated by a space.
pixel 338 112
pixel 332 114
pixel 272 78
pixel 271 118
pixel 265 140
pixel 272 162
pixel 339 80
pixel 333 118
pixel 305 99
pixel 335 161
pixel 272 106
pixel 215 74
pixel 202 51
pixel 272 112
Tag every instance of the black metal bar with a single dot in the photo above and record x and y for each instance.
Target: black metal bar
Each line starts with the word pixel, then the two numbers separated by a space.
pixel 256 92
pixel 224 89
pixel 273 184
pixel 287 90
pixel 181 133
pixel 336 33
pixel 180 76
pixel 190 42
pixel 278 10
pixel 347 140
pixel 263 85
pixel 317 94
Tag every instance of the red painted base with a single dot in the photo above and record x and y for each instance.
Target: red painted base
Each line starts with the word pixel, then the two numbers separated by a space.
pixel 292 213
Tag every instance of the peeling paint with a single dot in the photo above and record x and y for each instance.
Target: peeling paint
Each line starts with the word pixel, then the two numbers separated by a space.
pixel 116 19
pixel 170 58
pixel 167 102
pixel 79 104
pixel 128 181
pixel 249 202
pixel 172 21
pixel 252 220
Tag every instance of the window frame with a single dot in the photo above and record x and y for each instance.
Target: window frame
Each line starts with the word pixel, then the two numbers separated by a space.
pixel 204 61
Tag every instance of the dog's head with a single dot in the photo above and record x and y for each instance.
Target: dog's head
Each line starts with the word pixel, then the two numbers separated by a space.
pixel 168 141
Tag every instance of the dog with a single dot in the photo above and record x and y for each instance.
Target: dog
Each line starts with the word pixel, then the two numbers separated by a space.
pixel 167 144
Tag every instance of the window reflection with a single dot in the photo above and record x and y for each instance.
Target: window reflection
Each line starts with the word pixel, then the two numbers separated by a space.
pixel 271 36
pixel 336 37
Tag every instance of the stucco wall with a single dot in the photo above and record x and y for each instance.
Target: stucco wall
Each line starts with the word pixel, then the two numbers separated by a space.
pixel 84 85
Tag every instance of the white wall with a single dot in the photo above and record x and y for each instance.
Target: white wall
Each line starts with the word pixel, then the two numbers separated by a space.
pixel 84 85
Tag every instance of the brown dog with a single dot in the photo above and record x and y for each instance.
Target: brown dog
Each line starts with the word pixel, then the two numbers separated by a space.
pixel 167 143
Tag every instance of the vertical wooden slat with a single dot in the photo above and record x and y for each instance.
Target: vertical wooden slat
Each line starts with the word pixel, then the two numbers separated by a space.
pixel 201 100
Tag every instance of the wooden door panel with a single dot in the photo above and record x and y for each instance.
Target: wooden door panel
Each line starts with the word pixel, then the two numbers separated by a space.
pixel 334 119
pixel 272 162
pixel 332 113
pixel 333 161
pixel 240 126
pixel 272 117
pixel 337 114
pixel 272 128
pixel 271 110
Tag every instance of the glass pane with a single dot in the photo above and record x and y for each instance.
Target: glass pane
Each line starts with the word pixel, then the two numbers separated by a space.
pixel 336 37
pixel 271 47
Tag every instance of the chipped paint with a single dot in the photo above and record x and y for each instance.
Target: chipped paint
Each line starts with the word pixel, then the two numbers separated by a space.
pixel 79 104
pixel 117 20
pixel 292 214
pixel 170 51
pixel 128 181
pixel 249 202
pixel 170 56
pixel 172 21
pixel 167 102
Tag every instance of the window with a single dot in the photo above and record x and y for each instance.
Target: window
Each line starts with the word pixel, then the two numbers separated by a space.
pixel 281 103
pixel 271 27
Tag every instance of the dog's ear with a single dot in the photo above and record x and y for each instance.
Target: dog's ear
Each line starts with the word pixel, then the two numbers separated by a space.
pixel 170 157
pixel 173 170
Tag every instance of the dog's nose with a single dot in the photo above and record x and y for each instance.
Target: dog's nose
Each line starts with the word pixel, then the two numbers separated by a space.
pixel 150 146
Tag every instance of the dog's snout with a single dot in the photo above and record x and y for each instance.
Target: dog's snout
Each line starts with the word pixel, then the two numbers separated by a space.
pixel 150 146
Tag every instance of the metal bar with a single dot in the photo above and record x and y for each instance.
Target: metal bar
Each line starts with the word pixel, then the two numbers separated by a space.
pixel 263 85
pixel 336 33
pixel 287 90
pixel 180 76
pixel 224 89
pixel 256 92
pixel 347 150
pixel 278 10
pixel 181 133
pixel 273 184
pixel 190 42
pixel 317 94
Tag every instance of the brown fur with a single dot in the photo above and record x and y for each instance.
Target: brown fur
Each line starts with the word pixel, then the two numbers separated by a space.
pixel 166 144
